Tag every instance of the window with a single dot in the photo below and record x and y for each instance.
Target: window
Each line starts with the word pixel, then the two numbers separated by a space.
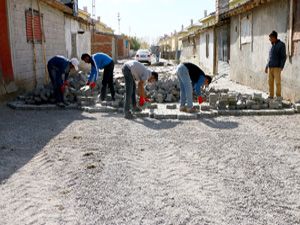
pixel 246 29
pixel 296 28
pixel 207 45
pixel 33 26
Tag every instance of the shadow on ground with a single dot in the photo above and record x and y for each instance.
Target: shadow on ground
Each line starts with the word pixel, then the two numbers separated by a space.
pixel 24 133
pixel 148 122
pixel 217 124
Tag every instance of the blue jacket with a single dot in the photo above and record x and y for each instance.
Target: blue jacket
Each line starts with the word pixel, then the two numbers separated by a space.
pixel 99 61
pixel 199 84
pixel 277 55
pixel 61 64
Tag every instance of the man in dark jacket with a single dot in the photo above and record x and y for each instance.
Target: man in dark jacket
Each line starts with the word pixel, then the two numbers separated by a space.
pixel 276 62
pixel 191 77
pixel 57 66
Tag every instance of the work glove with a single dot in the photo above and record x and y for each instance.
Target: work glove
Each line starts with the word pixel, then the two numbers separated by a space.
pixel 142 101
pixel 147 100
pixel 66 83
pixel 200 100
pixel 93 85
pixel 62 88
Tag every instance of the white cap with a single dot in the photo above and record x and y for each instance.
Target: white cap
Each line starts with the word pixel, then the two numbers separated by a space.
pixel 75 63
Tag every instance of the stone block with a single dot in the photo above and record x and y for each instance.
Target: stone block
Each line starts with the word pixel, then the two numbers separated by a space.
pixel 142 114
pixel 213 98
pixel 222 105
pixel 187 116
pixel 164 116
pixel 207 114
pixel 204 107
pixel 160 98
pixel 255 107
pixel 169 98
pixel 174 106
pixel 240 105
pixel 286 104
pixel 275 105
pixel 152 106
pixel 297 107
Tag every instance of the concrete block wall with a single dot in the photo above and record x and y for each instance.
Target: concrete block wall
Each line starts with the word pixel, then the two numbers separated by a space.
pixel 248 62
pixel 22 51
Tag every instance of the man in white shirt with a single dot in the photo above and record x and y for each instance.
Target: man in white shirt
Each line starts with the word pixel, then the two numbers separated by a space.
pixel 135 71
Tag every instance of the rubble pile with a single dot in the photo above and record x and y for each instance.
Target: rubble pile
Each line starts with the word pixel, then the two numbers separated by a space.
pixel 45 94
pixel 223 99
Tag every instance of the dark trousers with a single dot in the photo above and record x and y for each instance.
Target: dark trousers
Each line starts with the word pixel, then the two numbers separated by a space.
pixel 57 82
pixel 108 79
pixel 130 89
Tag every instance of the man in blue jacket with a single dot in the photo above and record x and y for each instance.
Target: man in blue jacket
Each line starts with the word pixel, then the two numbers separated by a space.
pixel 276 62
pixel 101 61
pixel 190 77
pixel 57 66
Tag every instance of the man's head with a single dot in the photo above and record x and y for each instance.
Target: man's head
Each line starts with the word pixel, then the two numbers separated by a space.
pixel 74 63
pixel 273 37
pixel 153 78
pixel 207 80
pixel 86 58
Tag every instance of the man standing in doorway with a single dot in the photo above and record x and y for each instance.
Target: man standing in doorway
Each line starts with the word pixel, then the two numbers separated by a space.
pixel 276 62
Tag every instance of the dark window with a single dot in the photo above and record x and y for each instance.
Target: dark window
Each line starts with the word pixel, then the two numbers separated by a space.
pixel 207 45
pixel 33 26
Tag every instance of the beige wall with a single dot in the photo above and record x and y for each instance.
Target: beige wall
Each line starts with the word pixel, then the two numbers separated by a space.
pixel 247 62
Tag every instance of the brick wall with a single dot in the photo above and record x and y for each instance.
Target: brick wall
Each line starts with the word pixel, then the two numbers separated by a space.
pixel 120 48
pixel 102 43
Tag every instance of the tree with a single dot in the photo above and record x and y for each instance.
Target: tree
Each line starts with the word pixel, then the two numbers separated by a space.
pixel 134 43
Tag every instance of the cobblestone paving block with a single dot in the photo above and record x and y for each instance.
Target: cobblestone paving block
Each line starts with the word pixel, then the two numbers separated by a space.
pixel 187 116
pixel 207 114
pixel 173 106
pixel 142 114
pixel 161 116
pixel 152 106
pixel 205 107
pixel 297 107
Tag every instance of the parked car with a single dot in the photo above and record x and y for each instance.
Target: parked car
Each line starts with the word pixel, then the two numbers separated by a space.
pixel 144 56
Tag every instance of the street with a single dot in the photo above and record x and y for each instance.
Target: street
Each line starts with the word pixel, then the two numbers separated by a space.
pixel 69 167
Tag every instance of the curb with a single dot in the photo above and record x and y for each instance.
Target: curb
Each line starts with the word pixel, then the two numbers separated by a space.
pixel 17 105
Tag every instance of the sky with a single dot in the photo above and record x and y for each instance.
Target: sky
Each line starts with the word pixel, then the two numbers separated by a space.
pixel 149 19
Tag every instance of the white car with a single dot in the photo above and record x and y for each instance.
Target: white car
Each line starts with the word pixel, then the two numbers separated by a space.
pixel 144 56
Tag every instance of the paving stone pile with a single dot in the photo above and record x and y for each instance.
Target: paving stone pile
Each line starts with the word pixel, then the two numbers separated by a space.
pixel 223 99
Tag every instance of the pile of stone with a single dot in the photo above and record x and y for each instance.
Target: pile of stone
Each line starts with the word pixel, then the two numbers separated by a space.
pixel 166 90
pixel 224 99
pixel 45 94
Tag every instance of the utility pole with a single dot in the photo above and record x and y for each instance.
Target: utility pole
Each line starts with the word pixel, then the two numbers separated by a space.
pixel 119 21
pixel 94 9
